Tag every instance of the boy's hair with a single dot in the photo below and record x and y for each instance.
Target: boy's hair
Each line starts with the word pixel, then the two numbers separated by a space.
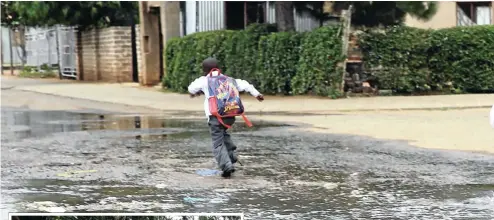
pixel 209 64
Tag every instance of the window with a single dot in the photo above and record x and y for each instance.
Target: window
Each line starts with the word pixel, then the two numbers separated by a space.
pixel 238 15
pixel 478 12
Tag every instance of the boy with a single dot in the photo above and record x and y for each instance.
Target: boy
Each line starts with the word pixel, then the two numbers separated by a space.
pixel 223 147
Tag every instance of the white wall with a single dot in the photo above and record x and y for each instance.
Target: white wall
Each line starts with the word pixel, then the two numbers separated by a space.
pixel 6 48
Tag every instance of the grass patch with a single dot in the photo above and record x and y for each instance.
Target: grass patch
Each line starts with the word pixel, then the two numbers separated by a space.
pixel 34 72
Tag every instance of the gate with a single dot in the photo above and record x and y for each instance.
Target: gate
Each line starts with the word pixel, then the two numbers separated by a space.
pixel 41 47
pixel 67 50
pixel 53 47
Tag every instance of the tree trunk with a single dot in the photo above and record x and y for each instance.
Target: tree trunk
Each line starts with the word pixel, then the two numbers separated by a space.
pixel 285 16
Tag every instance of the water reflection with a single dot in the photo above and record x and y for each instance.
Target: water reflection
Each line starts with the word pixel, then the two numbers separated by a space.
pixel 149 163
pixel 20 124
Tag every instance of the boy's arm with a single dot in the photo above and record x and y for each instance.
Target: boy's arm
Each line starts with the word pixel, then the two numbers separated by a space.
pixel 196 86
pixel 247 87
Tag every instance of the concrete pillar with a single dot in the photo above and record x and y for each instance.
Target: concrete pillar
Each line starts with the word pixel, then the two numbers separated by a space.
pixel 170 23
pixel 492 12
pixel 150 51
pixel 191 17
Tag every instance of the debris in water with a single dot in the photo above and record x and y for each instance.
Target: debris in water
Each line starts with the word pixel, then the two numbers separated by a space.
pixel 70 173
pixel 192 199
pixel 207 172
pixel 161 186
pixel 53 209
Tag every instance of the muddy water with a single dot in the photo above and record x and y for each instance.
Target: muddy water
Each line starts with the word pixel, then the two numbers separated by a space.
pixel 87 162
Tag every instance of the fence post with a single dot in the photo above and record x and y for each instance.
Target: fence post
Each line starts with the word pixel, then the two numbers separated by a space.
pixel 57 39
pixel 11 53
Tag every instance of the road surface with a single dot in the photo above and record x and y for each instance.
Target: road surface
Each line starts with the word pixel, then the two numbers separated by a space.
pixel 71 155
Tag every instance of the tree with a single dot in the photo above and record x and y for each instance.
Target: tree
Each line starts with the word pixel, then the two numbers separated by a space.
pixel 386 13
pixel 83 14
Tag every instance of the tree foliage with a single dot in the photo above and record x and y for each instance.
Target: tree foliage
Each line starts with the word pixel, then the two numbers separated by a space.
pixel 387 13
pixel 365 13
pixel 84 14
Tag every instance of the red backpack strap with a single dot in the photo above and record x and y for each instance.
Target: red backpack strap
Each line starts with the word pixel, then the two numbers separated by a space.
pixel 214 69
pixel 223 123
pixel 247 122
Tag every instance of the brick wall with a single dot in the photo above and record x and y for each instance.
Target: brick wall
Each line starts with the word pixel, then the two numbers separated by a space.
pixel 106 55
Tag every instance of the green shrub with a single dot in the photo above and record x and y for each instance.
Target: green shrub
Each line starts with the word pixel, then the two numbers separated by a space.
pixel 411 60
pixel 235 50
pixel 44 71
pixel 277 61
pixel 184 57
pixel 463 57
pixel 317 69
pixel 397 57
pixel 242 51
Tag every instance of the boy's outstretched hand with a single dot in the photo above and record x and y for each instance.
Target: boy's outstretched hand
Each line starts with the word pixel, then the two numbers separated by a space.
pixel 260 98
pixel 195 95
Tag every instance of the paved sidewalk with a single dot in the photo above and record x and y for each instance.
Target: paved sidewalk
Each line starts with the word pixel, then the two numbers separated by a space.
pixel 129 94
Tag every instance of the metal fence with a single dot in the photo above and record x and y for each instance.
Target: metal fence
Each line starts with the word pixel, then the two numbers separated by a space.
pixel 9 46
pixel 55 46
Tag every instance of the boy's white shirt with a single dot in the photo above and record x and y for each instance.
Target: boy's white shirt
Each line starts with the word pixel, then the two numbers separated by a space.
pixel 492 116
pixel 201 84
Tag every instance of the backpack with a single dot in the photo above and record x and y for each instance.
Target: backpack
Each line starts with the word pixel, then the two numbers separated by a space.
pixel 224 98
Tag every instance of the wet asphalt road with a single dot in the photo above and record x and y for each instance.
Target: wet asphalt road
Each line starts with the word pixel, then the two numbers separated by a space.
pixel 90 162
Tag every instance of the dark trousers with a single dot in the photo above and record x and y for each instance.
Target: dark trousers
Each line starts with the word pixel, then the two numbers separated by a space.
pixel 223 147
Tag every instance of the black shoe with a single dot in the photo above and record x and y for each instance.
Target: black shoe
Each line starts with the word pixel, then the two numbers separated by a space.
pixel 227 173
pixel 234 158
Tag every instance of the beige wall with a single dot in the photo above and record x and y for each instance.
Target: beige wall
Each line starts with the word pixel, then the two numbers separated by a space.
pixel 444 18
pixel 105 55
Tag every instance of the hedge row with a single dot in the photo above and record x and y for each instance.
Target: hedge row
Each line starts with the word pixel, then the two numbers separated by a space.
pixel 412 60
pixel 236 50
pixel 275 62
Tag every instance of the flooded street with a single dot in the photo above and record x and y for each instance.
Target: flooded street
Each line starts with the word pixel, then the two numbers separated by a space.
pixel 90 161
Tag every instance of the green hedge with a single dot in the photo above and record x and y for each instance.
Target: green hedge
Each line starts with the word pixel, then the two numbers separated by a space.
pixel 279 54
pixel 185 55
pixel 463 56
pixel 236 51
pixel 397 56
pixel 317 70
pixel 242 51
pixel 276 63
pixel 410 60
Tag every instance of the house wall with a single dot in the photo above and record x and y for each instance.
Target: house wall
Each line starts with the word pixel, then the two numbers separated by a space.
pixel 444 18
pixel 210 15
pixel 105 55
pixel 303 21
